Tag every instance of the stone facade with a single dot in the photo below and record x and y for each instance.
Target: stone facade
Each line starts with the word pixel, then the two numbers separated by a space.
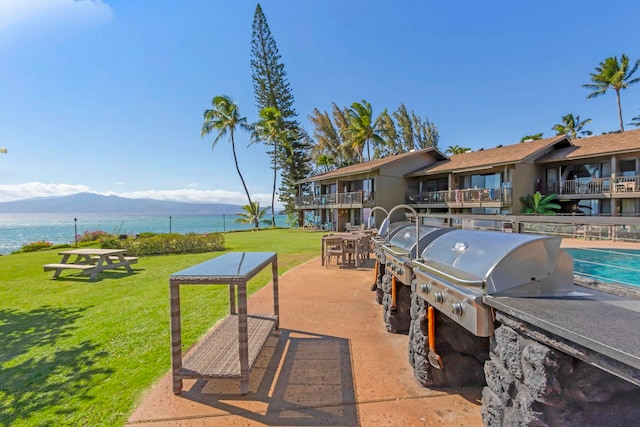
pixel 531 384
pixel 398 318
pixel 462 353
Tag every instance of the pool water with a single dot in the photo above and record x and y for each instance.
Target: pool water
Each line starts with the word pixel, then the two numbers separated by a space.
pixel 608 265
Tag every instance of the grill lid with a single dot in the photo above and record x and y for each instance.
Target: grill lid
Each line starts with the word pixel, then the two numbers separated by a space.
pixel 404 241
pixel 388 230
pixel 500 263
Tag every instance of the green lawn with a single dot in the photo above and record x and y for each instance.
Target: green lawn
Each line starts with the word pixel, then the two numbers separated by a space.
pixel 74 352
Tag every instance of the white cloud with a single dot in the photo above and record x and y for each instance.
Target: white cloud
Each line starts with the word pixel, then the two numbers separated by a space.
pixel 38 189
pixel 49 20
pixel 198 196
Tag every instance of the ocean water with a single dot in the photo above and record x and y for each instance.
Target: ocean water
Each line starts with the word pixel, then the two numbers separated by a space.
pixel 17 230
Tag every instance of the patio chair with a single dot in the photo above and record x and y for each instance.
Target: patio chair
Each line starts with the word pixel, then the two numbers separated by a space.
pixel 334 247
pixel 364 247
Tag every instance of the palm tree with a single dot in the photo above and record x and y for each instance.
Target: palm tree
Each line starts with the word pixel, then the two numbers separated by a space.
pixel 539 204
pixel 456 149
pixel 572 126
pixel 615 75
pixel 532 137
pixel 325 162
pixel 271 129
pixel 363 128
pixel 392 141
pixel 224 118
pixel 329 136
pixel 253 214
pixel 635 121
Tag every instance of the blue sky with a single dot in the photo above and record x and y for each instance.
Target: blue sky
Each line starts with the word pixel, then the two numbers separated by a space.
pixel 107 96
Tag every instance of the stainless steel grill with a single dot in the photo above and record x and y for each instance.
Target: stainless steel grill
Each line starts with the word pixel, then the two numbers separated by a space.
pixel 385 232
pixel 406 243
pixel 457 270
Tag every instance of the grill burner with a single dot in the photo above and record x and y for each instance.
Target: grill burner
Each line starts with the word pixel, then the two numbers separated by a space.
pixel 460 268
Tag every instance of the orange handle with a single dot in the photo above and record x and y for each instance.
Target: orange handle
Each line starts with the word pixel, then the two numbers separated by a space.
pixel 393 291
pixel 431 318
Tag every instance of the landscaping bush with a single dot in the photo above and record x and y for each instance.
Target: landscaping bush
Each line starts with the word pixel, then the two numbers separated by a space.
pixel 173 243
pixel 36 246
pixel 145 234
pixel 92 236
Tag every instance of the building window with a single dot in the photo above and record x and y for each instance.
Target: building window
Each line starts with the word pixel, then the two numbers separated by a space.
pixel 628 167
pixel 493 180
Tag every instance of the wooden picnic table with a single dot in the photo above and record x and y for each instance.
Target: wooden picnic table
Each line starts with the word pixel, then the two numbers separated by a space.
pixel 91 261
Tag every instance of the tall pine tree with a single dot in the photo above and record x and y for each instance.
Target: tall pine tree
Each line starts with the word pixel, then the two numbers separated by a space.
pixel 271 89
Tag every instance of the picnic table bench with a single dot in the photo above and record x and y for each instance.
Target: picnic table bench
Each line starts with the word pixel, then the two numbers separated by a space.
pixel 92 261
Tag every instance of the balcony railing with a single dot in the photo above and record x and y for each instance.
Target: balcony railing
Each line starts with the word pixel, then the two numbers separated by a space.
pixel 456 197
pixel 326 200
pixel 606 185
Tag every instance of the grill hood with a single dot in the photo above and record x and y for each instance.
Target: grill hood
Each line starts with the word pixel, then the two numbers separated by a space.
pixel 495 263
pixel 406 243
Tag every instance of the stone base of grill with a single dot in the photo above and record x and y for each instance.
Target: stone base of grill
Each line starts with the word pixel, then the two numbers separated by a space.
pixel 463 354
pixel 378 284
pixel 397 319
pixel 530 383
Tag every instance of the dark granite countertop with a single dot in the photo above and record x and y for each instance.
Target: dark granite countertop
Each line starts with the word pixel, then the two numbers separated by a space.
pixel 602 322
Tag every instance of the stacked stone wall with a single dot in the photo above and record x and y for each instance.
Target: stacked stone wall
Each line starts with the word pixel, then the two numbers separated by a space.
pixel 530 383
pixel 377 287
pixel 462 353
pixel 397 319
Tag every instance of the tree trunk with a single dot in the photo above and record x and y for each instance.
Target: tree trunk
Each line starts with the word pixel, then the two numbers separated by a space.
pixel 256 221
pixel 619 110
pixel 273 193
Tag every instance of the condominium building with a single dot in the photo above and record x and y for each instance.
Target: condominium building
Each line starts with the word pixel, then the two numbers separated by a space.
pixel 598 175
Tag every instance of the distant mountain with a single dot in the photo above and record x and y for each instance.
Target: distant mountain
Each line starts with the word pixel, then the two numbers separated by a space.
pixel 96 203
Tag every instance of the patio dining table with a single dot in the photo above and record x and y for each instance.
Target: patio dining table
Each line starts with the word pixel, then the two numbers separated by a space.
pixel 349 239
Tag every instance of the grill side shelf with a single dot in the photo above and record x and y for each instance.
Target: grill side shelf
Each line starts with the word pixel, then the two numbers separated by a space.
pixel 595 325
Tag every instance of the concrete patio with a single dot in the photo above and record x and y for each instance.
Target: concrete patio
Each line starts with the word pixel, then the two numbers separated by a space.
pixel 332 363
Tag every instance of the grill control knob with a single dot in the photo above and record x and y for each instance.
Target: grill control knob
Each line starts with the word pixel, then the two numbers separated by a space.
pixel 439 297
pixel 424 288
pixel 457 309
pixel 401 271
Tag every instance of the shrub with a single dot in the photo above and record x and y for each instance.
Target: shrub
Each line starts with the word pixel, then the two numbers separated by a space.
pixel 36 246
pixel 145 234
pixel 167 244
pixel 92 236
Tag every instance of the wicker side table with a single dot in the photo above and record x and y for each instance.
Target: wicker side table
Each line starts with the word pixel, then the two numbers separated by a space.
pixel 231 347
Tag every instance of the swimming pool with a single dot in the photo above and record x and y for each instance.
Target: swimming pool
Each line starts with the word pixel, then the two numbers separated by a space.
pixel 608 265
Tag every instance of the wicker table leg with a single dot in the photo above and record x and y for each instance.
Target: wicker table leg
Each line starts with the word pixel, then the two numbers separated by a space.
pixel 243 338
pixel 176 340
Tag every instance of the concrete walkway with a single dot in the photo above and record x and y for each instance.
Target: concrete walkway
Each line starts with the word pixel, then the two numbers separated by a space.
pixel 332 363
